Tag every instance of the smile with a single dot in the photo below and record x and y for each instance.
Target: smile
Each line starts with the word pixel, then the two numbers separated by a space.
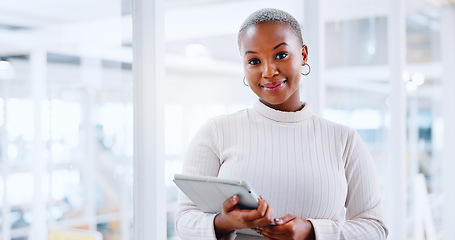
pixel 272 87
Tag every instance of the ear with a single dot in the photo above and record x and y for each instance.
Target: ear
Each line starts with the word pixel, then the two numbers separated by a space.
pixel 304 54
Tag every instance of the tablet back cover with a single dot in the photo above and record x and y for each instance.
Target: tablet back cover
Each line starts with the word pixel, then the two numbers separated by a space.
pixel 209 195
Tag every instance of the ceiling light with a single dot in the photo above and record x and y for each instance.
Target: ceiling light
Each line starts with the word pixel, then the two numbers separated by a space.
pixel 406 76
pixel 7 70
pixel 418 79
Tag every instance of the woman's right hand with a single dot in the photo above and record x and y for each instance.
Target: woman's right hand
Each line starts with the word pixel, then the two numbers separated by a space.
pixel 232 217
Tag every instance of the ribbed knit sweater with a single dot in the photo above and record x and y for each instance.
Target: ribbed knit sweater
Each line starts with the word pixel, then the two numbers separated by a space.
pixel 298 162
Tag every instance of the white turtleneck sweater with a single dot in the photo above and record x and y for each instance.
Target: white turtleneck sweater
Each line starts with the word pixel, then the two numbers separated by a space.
pixel 300 163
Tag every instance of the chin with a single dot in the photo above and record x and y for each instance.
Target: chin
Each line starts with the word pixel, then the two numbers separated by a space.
pixel 274 102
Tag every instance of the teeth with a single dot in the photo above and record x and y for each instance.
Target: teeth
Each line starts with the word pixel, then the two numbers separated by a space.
pixel 273 84
pixel 273 87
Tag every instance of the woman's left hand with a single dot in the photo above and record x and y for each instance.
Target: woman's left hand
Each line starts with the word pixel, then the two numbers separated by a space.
pixel 288 227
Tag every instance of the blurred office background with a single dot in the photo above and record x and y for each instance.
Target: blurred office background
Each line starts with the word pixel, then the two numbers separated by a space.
pixel 383 68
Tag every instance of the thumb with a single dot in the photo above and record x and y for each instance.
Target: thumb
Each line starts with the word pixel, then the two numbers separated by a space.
pixel 230 203
pixel 285 219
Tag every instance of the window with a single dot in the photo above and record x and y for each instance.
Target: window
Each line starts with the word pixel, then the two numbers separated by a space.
pixel 66 120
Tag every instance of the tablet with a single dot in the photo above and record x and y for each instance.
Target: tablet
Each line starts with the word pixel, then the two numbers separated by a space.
pixel 209 193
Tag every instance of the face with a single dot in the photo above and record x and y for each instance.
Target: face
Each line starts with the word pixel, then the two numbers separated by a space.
pixel 272 61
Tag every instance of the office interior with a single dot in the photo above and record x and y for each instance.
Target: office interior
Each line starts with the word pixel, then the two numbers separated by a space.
pixel 67 100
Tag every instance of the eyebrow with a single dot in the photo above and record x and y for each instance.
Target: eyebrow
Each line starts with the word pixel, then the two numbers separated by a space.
pixel 277 46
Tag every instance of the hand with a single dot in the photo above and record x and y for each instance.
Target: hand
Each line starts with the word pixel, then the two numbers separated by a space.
pixel 288 227
pixel 232 217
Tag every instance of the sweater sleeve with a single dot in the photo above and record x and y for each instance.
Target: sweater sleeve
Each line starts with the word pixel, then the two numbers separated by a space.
pixel 201 158
pixel 364 213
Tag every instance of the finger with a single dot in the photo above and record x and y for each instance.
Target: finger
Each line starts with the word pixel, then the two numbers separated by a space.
pixel 273 232
pixel 267 235
pixel 264 208
pixel 230 203
pixel 267 218
pixel 285 219
pixel 282 228
pixel 264 219
pixel 270 215
pixel 256 214
pixel 267 211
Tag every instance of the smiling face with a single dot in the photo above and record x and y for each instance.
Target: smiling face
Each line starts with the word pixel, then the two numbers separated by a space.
pixel 272 61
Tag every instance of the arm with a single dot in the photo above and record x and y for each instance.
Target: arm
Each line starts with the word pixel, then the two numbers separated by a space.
pixel 201 158
pixel 364 213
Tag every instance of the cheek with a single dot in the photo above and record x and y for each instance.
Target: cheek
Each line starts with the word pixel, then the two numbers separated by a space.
pixel 251 73
pixel 296 67
pixel 292 70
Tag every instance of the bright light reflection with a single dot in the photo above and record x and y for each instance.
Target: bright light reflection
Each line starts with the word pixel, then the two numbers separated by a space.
pixel 357 119
pixel 2 111
pixel 65 122
pixel 174 129
pixel 7 70
pixel 365 119
pixel 339 116
pixel 60 153
pixel 20 119
pixel 406 76
pixel 2 191
pixel 418 78
pixel 20 187
pixel 65 183
pixel 114 120
pixel 12 151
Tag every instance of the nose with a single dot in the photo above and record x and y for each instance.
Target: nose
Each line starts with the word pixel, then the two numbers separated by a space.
pixel 269 70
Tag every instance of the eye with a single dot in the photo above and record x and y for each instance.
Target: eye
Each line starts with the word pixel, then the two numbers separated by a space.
pixel 254 61
pixel 281 55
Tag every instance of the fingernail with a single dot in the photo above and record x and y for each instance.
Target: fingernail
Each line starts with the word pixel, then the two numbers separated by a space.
pixel 234 198
pixel 260 197
pixel 278 220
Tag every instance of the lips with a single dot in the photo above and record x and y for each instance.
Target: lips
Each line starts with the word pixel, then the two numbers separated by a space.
pixel 273 86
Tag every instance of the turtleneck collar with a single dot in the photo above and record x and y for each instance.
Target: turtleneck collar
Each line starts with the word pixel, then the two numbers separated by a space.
pixel 280 116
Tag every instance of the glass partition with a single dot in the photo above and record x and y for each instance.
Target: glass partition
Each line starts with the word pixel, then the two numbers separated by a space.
pixel 66 120
pixel 358 95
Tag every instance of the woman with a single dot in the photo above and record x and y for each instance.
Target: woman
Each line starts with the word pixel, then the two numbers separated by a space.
pixel 309 170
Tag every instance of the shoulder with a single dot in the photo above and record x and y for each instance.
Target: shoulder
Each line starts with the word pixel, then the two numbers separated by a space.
pixel 230 118
pixel 346 138
pixel 220 122
pixel 341 135
pixel 334 126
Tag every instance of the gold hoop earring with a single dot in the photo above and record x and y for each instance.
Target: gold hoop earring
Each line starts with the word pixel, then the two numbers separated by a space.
pixel 244 83
pixel 309 69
